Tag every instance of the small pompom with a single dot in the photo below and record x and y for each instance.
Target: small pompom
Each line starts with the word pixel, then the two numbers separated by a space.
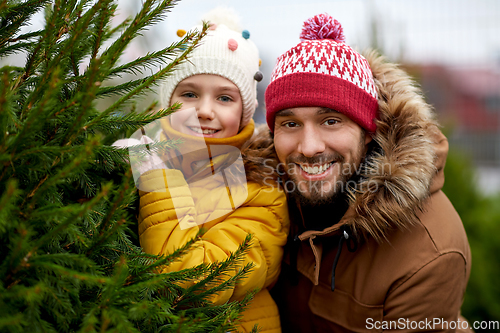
pixel 232 44
pixel 322 26
pixel 245 34
pixel 181 32
pixel 258 76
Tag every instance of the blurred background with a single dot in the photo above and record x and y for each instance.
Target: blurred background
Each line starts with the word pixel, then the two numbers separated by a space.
pixel 451 47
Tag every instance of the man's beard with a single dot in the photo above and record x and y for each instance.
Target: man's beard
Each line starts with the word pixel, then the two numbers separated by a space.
pixel 322 192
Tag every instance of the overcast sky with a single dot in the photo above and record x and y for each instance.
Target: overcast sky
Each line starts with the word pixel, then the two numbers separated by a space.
pixel 450 32
pixel 456 32
pixel 463 33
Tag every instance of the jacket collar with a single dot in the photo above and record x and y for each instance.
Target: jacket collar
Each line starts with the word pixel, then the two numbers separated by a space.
pixel 195 154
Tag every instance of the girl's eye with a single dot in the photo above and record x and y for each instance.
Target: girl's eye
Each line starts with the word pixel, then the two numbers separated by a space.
pixel 330 122
pixel 189 95
pixel 225 99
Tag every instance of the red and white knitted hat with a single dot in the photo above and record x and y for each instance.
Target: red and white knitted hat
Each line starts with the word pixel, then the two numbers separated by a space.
pixel 323 71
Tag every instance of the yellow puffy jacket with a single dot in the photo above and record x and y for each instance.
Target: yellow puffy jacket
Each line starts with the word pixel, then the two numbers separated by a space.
pixel 173 210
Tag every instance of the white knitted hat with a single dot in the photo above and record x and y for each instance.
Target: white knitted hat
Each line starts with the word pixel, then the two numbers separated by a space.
pixel 226 51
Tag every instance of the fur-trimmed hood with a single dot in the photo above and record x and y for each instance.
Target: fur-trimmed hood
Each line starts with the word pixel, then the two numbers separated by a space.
pixel 399 176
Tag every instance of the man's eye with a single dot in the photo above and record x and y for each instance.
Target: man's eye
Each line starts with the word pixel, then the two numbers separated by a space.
pixel 330 122
pixel 225 99
pixel 290 124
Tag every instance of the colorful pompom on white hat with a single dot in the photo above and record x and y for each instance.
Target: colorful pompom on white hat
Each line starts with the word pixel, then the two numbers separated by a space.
pixel 322 70
pixel 226 51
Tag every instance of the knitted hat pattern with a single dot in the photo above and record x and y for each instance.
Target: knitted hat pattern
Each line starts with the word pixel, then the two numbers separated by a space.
pixel 226 51
pixel 323 71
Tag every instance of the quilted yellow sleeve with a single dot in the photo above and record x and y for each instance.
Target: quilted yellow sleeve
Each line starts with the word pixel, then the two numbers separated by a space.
pixel 164 196
pixel 264 214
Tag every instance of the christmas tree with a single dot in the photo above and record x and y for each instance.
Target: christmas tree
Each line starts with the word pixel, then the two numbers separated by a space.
pixel 70 261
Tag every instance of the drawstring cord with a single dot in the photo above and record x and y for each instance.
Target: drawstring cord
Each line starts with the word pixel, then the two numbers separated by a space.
pixel 294 252
pixel 337 256
pixel 352 246
pixel 296 245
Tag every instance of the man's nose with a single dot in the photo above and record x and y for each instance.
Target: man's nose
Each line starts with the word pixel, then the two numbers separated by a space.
pixel 204 109
pixel 311 142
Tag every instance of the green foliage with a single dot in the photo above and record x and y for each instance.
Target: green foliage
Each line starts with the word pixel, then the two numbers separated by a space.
pixel 69 262
pixel 481 217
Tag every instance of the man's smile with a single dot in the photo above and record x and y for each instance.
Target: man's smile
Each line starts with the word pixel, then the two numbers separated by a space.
pixel 315 169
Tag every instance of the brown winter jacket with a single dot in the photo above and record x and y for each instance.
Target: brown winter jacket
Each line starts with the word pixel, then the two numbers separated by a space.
pixel 412 262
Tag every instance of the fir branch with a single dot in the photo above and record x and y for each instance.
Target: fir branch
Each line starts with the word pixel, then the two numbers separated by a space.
pixel 43 265
pixel 65 226
pixel 31 123
pixel 51 37
pixel 14 261
pixel 34 59
pixel 15 16
pixel 103 18
pixel 86 97
pixel 193 37
pixel 70 219
pixel 28 36
pixel 149 61
pixel 121 88
pixel 86 182
pixel 15 48
pixel 48 152
pixel 218 276
pixel 219 279
pixel 13 322
pixel 154 263
pixel 8 201
pixel 106 228
pixel 8 119
pixel 109 292
pixel 76 162
pixel 141 21
pixel 131 121
pixel 15 45
pixel 229 315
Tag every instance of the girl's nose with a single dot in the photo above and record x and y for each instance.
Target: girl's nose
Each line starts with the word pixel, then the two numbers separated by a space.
pixel 204 109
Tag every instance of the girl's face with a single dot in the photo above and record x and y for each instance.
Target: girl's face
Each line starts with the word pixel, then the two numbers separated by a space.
pixel 211 107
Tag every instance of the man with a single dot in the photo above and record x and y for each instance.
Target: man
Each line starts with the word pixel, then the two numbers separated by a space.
pixel 375 243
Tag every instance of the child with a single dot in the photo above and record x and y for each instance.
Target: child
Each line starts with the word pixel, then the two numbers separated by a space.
pixel 217 89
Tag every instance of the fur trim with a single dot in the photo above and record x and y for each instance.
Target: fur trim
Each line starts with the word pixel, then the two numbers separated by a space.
pixel 397 178
pixel 398 172
pixel 260 158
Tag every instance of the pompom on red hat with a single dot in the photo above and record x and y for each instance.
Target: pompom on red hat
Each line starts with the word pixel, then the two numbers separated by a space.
pixel 323 71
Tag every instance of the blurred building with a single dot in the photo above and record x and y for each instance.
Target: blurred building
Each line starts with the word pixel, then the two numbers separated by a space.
pixel 467 101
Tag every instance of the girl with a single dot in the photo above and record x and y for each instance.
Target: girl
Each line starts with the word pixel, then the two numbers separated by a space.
pixel 217 89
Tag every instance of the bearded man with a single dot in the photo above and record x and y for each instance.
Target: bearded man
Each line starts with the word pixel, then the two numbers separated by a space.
pixel 375 244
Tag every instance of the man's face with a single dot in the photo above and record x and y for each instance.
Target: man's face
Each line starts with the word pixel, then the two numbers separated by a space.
pixel 320 148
